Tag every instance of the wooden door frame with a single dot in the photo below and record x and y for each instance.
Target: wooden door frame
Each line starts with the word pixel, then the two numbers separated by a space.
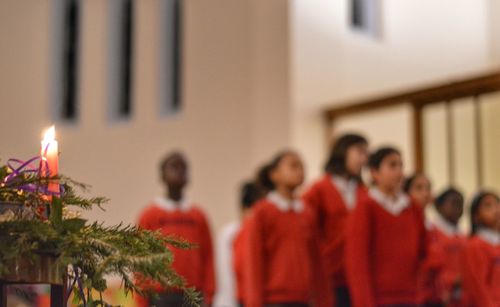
pixel 418 98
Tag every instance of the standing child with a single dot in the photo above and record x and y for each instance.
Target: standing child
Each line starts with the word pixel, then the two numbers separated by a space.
pixel 385 241
pixel 240 260
pixel 229 290
pixel 281 253
pixel 441 278
pixel 172 214
pixel 418 187
pixel 482 253
pixel 331 199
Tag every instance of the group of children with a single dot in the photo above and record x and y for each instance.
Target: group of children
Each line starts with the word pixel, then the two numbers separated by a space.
pixel 341 243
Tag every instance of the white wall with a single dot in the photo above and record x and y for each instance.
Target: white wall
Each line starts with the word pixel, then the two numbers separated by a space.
pixel 494 21
pixel 311 138
pixel 490 127
pixel 421 42
pixel 463 149
pixel 270 68
pixel 436 151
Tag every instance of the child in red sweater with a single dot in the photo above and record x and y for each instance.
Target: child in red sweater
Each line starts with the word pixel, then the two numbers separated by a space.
pixel 441 276
pixel 482 253
pixel 174 215
pixel 250 197
pixel 385 239
pixel 230 259
pixel 239 261
pixel 239 264
pixel 331 199
pixel 419 187
pixel 281 253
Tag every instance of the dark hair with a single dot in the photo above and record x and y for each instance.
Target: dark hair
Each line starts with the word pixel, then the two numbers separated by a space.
pixel 336 163
pixel 169 157
pixel 441 198
pixel 410 180
pixel 250 193
pixel 474 208
pixel 264 176
pixel 378 156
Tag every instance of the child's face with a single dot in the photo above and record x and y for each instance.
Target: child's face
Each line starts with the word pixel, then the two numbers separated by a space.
pixel 389 176
pixel 356 159
pixel 420 190
pixel 289 172
pixel 452 208
pixel 175 173
pixel 489 213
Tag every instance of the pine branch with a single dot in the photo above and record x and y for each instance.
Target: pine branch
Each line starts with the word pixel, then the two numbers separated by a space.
pixel 131 253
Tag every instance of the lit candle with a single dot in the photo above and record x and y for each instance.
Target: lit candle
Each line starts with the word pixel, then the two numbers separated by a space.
pixel 50 157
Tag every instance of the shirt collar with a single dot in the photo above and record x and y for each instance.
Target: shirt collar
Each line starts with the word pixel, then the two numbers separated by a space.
pixel 393 206
pixel 428 224
pixel 284 204
pixel 444 226
pixel 490 236
pixel 347 189
pixel 171 205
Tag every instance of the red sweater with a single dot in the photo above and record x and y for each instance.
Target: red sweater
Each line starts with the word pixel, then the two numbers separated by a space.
pixel 281 257
pixel 481 273
pixel 383 254
pixel 238 263
pixel 195 265
pixel 330 215
pixel 441 275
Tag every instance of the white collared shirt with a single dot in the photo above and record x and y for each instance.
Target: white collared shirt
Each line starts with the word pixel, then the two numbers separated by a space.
pixel 445 227
pixel 284 204
pixel 347 189
pixel 393 206
pixel 168 204
pixel 489 235
pixel 226 279
pixel 428 224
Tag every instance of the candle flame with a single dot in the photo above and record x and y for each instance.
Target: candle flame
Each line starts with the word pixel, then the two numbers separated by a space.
pixel 50 134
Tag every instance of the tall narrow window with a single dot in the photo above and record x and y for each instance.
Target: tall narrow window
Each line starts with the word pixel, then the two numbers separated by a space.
pixel 66 42
pixel 120 59
pixel 357 18
pixel 365 16
pixel 126 59
pixel 171 56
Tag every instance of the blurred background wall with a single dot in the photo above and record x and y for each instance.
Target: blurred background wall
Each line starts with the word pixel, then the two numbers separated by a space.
pixel 256 76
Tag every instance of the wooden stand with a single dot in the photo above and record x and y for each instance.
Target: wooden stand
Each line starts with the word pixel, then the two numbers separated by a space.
pixel 56 293
pixel 40 269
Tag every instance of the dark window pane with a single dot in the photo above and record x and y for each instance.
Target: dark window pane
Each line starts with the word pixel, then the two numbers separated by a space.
pixel 70 59
pixel 125 87
pixel 357 16
pixel 365 16
pixel 171 57
pixel 176 55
